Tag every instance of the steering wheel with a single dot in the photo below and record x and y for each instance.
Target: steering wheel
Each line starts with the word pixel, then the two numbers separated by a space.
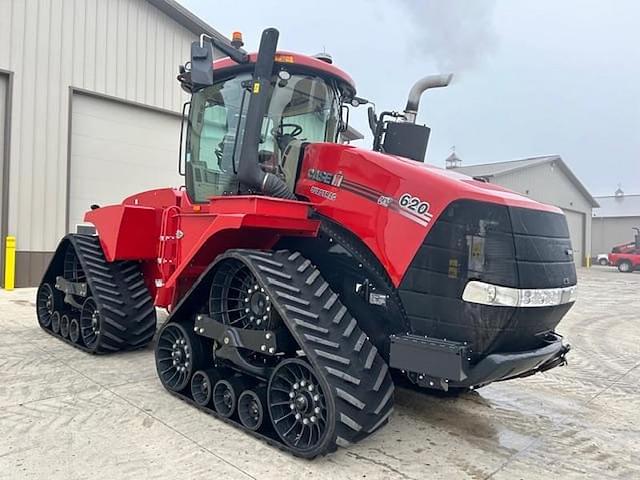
pixel 279 130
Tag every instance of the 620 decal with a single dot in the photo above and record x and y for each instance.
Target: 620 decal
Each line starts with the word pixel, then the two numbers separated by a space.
pixel 414 204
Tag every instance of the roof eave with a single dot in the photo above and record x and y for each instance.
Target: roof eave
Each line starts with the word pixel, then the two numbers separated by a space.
pixel 188 20
pixel 565 169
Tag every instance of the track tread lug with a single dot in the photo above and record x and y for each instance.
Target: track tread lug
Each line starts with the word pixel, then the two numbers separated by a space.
pixel 333 356
pixel 332 300
pixel 350 328
pixel 349 422
pixel 347 397
pixel 312 278
pixel 321 341
pixel 385 399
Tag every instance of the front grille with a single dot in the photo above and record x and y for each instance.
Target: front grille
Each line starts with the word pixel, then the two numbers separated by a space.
pixel 508 246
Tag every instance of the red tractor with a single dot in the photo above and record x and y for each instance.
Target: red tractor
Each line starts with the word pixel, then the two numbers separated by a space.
pixel 304 277
pixel 627 256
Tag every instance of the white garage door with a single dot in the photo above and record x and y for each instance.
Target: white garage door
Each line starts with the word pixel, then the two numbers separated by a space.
pixel 117 150
pixel 575 220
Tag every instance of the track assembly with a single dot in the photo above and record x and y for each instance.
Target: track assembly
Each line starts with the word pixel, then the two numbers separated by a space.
pixel 94 305
pixel 288 364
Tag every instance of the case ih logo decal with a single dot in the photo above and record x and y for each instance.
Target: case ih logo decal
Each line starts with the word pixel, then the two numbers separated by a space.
pixel 409 206
pixel 327 178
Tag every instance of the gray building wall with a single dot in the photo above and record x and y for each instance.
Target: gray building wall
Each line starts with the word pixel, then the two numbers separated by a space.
pixel 610 231
pixel 122 48
pixel 547 183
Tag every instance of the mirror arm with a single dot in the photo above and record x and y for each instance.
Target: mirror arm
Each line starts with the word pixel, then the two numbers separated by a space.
pixel 238 55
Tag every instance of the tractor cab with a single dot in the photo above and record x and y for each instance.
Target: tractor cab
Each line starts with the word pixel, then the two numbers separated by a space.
pixel 300 101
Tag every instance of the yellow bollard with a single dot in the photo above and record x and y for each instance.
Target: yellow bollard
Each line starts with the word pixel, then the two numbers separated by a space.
pixel 10 264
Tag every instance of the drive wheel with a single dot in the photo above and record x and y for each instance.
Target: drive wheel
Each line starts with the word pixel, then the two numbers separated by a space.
pixel 625 266
pixel 178 354
pixel 90 323
pixel 46 304
pixel 300 411
pixel 237 299
pixel 72 270
pixel 604 262
pixel 74 330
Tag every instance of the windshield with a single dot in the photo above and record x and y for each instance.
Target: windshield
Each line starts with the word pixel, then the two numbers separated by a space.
pixel 302 108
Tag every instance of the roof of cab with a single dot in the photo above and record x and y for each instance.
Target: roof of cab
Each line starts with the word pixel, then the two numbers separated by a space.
pixel 290 58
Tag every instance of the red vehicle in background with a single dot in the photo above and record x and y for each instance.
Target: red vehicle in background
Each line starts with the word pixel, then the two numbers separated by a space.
pixel 627 257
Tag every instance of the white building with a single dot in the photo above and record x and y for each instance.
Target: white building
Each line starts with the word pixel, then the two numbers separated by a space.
pixel 90 112
pixel 549 180
pixel 614 221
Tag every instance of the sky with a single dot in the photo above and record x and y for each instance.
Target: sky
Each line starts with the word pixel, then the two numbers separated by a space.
pixel 530 78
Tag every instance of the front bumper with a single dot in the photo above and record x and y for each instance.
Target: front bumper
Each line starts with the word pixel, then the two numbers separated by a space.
pixel 445 364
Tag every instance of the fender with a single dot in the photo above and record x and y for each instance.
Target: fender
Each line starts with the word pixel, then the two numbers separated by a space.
pixel 177 242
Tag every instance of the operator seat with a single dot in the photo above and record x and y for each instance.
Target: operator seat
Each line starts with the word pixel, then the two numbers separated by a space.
pixel 291 160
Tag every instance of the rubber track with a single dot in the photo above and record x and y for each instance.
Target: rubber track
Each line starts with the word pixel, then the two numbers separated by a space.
pixel 330 337
pixel 127 312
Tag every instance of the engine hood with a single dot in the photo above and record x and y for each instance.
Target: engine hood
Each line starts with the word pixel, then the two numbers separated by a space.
pixel 390 202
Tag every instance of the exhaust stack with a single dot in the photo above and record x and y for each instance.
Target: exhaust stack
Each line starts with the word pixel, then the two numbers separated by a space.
pixel 425 83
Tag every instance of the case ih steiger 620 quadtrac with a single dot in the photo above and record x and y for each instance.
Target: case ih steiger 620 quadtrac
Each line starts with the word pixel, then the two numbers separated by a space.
pixel 301 274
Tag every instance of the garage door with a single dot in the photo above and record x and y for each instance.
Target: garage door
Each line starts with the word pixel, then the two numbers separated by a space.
pixel 575 220
pixel 118 149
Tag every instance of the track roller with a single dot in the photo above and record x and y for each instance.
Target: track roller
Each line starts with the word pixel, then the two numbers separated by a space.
pixel 202 384
pixel 55 322
pixel 251 408
pixel 74 330
pixel 64 326
pixel 224 398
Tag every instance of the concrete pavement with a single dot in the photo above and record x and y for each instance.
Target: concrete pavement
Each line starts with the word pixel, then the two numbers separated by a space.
pixel 66 414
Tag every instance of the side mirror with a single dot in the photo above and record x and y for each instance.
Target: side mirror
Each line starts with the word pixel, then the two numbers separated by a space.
pixel 201 65
pixel 373 120
pixel 344 119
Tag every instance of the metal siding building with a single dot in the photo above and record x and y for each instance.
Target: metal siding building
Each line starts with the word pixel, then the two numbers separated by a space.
pixel 89 111
pixel 614 221
pixel 548 180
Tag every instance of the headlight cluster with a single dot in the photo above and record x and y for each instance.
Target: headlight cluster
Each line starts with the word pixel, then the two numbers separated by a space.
pixel 487 294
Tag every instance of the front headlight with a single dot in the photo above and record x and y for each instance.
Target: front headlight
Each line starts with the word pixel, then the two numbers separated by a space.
pixel 488 294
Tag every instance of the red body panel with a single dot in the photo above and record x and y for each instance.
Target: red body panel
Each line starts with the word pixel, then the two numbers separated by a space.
pixel 176 240
pixel 371 185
